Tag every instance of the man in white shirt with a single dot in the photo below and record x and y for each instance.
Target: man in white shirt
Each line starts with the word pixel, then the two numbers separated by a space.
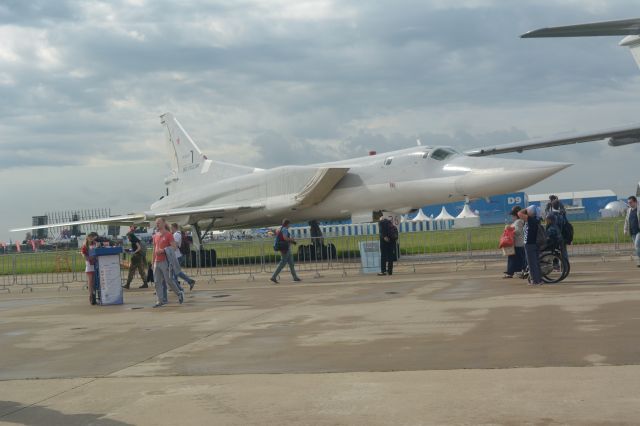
pixel 177 237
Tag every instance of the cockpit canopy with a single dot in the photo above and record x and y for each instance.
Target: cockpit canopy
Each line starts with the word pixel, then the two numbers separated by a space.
pixel 443 153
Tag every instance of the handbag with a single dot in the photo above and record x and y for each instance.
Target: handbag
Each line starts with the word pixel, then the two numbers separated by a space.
pixel 150 274
pixel 508 237
pixel 508 251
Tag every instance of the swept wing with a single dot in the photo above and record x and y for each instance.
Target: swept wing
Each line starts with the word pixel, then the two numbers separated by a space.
pixel 616 137
pixel 123 220
pixel 607 28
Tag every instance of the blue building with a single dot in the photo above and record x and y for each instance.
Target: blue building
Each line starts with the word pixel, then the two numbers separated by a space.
pixel 581 205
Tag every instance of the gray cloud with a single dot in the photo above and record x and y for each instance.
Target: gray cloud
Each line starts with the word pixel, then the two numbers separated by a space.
pixel 272 83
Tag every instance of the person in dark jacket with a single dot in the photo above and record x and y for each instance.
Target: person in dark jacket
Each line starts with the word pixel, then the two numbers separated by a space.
pixel 138 260
pixel 388 239
pixel 531 223
pixel 632 225
pixel 554 235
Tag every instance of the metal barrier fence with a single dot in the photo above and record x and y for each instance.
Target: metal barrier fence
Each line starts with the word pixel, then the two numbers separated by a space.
pixel 39 268
pixel 251 257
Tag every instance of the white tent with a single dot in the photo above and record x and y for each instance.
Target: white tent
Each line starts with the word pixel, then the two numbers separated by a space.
pixel 467 218
pixel 420 216
pixel 444 215
pixel 466 213
pixel 614 209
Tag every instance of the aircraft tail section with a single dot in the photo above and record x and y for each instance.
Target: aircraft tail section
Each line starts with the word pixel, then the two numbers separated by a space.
pixel 189 165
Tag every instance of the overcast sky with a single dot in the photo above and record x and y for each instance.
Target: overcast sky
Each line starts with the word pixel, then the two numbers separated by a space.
pixel 268 83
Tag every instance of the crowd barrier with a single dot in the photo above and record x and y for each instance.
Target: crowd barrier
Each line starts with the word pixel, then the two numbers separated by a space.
pixel 23 271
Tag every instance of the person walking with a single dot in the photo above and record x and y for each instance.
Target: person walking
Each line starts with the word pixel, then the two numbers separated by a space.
pixel 388 239
pixel 138 260
pixel 517 262
pixel 283 245
pixel 632 225
pixel 90 261
pixel 531 224
pixel 181 242
pixel 162 277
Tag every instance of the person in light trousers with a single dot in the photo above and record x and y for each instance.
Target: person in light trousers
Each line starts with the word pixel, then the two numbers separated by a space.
pixel 162 277
pixel 283 245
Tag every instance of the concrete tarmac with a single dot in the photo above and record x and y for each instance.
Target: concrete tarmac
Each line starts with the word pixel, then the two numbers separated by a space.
pixel 438 346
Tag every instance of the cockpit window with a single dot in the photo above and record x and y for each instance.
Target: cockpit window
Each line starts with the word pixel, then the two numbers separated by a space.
pixel 442 153
pixel 388 160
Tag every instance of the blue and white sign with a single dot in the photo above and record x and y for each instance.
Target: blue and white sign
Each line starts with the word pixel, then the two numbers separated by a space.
pixel 370 256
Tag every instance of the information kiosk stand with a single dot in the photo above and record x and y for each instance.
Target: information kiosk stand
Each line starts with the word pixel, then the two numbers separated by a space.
pixel 108 282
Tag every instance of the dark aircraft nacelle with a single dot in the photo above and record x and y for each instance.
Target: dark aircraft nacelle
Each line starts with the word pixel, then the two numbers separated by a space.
pixel 623 141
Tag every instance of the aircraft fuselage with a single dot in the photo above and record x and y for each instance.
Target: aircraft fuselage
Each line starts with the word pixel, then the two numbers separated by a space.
pixel 397 181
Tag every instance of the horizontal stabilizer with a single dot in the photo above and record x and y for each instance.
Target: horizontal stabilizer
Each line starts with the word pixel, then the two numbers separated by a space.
pixel 617 136
pixel 608 28
pixel 124 220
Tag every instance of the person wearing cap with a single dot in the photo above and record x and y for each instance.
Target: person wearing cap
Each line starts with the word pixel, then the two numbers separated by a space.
pixel 138 259
pixel 283 245
pixel 517 262
pixel 531 222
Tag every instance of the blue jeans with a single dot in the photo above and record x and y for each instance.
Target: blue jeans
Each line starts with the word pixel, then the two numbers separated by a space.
pixel 162 280
pixel 287 258
pixel 535 274
pixel 185 277
pixel 636 243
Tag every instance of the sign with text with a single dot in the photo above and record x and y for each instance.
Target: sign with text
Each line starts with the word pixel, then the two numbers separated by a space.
pixel 370 256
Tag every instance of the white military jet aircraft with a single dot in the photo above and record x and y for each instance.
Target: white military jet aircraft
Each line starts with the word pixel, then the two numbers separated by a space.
pixel 204 193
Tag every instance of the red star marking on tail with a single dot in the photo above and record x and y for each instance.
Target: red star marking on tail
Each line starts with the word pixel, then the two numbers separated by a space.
pixel 178 141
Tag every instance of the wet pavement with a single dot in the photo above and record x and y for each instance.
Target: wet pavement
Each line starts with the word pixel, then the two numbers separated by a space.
pixel 438 346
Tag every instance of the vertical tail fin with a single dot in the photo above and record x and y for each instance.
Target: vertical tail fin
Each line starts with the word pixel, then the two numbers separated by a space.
pixel 186 157
pixel 188 163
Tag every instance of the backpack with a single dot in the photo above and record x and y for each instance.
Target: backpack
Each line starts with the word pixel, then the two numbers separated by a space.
pixel 280 244
pixel 567 232
pixel 393 232
pixel 541 236
pixel 185 247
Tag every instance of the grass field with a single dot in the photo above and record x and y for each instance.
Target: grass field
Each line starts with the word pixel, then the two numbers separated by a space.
pixel 256 251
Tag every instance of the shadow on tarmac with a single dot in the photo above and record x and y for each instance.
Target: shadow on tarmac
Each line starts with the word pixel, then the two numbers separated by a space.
pixel 14 412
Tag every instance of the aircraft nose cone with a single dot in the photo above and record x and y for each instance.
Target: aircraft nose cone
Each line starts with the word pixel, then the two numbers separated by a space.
pixel 506 176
